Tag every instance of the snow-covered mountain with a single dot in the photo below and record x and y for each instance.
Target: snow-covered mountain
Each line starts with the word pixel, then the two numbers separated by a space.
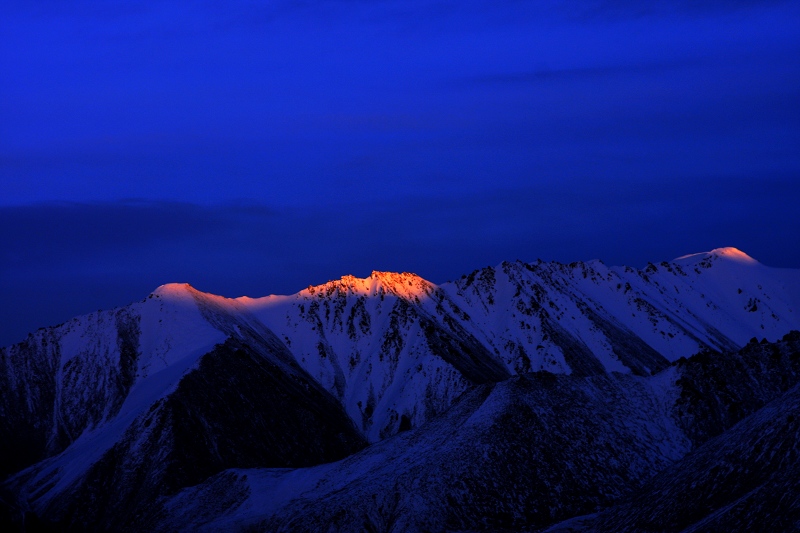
pixel 396 349
pixel 123 406
pixel 119 408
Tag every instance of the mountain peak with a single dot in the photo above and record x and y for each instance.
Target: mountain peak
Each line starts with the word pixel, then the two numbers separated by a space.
pixel 404 285
pixel 173 289
pixel 728 253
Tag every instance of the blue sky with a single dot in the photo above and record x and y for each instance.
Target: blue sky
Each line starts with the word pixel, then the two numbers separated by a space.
pixel 258 147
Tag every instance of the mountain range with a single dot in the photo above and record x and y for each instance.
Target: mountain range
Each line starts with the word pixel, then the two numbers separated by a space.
pixel 521 397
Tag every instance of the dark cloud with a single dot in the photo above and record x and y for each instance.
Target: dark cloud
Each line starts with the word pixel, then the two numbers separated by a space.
pixel 615 9
pixel 566 74
pixel 67 229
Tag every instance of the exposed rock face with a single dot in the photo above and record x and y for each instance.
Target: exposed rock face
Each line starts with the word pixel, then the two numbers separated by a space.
pixel 745 479
pixel 717 392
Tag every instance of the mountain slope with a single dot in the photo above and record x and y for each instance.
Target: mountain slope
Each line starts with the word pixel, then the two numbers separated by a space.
pixel 527 451
pixel 187 415
pixel 235 409
pixel 745 479
pixel 65 380
pixel 521 454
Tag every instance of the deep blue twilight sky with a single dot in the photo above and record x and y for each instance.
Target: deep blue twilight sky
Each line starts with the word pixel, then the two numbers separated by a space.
pixel 258 147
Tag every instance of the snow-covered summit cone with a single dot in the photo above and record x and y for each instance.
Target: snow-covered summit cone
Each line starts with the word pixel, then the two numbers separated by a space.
pixel 744 297
pixel 727 253
pixel 64 380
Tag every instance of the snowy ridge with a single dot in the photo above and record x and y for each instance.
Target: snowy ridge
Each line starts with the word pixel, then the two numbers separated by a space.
pixel 105 369
pixel 396 349
pixel 364 339
pixel 115 392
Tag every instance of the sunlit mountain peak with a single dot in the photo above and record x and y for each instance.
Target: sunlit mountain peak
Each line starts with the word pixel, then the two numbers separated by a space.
pixel 729 253
pixel 404 285
pixel 173 289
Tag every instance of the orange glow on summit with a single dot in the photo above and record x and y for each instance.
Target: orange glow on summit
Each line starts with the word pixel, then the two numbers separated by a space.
pixel 404 285
pixel 729 253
